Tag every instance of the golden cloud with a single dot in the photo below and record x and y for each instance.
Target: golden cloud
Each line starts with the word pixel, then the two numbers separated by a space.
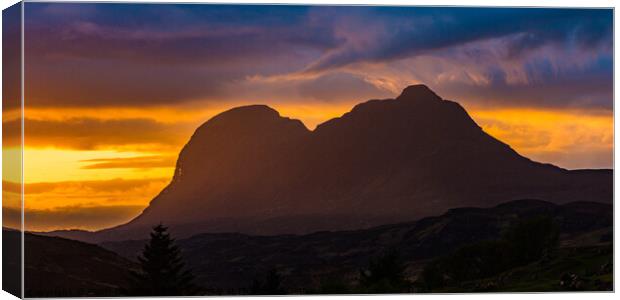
pixel 91 134
pixel 141 162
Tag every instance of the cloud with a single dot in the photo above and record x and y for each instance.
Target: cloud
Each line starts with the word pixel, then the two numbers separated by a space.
pixel 90 133
pixel 212 44
pixel 401 33
pixel 563 137
pixel 477 74
pixel 165 57
pixel 214 53
pixel 89 204
pixel 558 82
pixel 577 158
pixel 109 186
pixel 11 187
pixel 11 57
pixel 78 217
pixel 142 77
pixel 336 87
pixel 142 162
pixel 11 217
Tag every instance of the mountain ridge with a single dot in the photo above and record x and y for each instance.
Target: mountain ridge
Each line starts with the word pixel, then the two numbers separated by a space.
pixel 384 161
pixel 60 267
pixel 218 257
pixel 229 262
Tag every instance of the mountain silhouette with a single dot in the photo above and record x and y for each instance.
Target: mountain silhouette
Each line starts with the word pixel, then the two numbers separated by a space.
pixel 58 267
pixel 230 263
pixel 251 170
pixel 216 258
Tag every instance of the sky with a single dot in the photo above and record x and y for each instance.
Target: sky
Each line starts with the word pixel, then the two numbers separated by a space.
pixel 113 91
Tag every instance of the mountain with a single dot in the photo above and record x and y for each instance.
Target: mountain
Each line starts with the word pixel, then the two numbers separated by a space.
pixel 57 267
pixel 229 262
pixel 250 170
pixel 12 261
pixel 330 262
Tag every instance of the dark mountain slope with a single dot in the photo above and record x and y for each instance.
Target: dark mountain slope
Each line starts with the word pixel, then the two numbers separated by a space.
pixel 12 261
pixel 232 260
pixel 418 155
pixel 252 171
pixel 230 166
pixel 61 267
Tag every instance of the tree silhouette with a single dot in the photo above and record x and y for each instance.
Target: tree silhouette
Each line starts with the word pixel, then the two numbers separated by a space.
pixel 528 240
pixel 385 274
pixel 269 285
pixel 533 238
pixel 162 271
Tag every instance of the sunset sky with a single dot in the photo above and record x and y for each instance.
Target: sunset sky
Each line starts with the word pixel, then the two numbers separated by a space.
pixel 113 91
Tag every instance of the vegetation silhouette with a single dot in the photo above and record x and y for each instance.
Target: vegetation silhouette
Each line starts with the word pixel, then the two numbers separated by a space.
pixel 162 271
pixel 270 284
pixel 332 286
pixel 532 239
pixel 529 240
pixel 493 256
pixel 384 274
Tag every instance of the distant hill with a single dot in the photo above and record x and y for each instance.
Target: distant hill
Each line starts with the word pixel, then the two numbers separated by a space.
pixel 229 262
pixel 56 267
pixel 249 170
pixel 11 261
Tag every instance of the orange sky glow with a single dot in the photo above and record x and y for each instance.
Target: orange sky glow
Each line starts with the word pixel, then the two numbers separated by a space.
pixel 117 180
pixel 113 91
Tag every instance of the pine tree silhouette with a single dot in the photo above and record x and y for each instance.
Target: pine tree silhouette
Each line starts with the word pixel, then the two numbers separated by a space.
pixel 162 271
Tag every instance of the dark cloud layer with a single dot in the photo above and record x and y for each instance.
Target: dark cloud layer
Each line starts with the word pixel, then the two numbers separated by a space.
pixel 110 185
pixel 411 32
pixel 142 54
pixel 11 56
pixel 568 88
pixel 90 134
pixel 141 162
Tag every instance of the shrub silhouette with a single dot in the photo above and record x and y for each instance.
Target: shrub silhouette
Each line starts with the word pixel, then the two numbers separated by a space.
pixel 385 274
pixel 432 276
pixel 271 284
pixel 525 242
pixel 162 271
pixel 478 260
pixel 533 239
pixel 333 286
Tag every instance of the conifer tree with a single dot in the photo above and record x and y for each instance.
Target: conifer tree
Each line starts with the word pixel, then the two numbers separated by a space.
pixel 162 271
